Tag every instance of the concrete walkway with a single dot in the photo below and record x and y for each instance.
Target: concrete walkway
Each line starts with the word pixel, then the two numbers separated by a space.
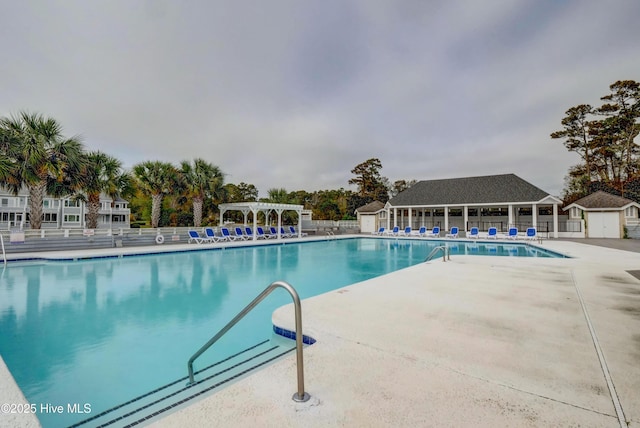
pixel 478 341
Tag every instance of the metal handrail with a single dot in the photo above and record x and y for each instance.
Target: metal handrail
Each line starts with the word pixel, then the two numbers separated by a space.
pixel 300 395
pixel 446 254
pixel 4 254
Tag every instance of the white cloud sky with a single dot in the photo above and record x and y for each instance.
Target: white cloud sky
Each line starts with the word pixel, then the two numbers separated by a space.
pixel 294 94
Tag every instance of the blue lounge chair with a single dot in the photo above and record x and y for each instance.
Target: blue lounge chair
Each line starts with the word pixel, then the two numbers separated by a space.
pixel 434 233
pixel 513 233
pixel 405 232
pixel 379 232
pixel 420 232
pixel 248 232
pixel 285 233
pixel 273 232
pixel 295 233
pixel 492 233
pixel 532 234
pixel 261 235
pixel 194 236
pixel 211 235
pixel 453 233
pixel 393 232
pixel 473 233
pixel 240 234
pixel 226 236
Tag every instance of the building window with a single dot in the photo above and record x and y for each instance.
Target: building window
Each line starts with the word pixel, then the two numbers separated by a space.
pixel 522 211
pixel 631 212
pixel 495 212
pixel 4 202
pixel 71 218
pixel 50 218
pixel 575 212
pixel 70 203
pixel 545 211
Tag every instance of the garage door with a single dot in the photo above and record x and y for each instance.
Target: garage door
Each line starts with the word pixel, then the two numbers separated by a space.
pixel 604 225
pixel 367 223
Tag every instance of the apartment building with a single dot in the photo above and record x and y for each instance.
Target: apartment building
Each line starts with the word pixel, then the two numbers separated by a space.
pixel 61 213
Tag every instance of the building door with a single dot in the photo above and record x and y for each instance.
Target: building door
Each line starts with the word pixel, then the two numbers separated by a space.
pixel 604 225
pixel 368 223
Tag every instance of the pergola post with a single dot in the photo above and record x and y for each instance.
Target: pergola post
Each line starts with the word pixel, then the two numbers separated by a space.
pixel 555 220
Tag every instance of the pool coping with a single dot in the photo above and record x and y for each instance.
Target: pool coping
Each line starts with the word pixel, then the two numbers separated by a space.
pixel 119 252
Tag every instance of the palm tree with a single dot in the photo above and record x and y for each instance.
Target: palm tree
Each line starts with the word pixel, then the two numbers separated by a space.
pixel 43 159
pixel 158 179
pixel 202 180
pixel 6 165
pixel 103 175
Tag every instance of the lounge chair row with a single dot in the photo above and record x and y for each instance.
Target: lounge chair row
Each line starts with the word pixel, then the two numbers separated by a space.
pixel 422 232
pixel 513 234
pixel 225 235
pixel 492 233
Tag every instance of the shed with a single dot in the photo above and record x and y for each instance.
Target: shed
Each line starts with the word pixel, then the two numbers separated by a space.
pixel 605 214
pixel 370 216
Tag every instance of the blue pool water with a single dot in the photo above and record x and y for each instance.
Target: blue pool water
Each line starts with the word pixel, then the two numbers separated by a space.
pixel 101 331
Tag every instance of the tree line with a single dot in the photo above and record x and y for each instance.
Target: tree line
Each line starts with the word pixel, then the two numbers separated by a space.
pixel 604 138
pixel 36 155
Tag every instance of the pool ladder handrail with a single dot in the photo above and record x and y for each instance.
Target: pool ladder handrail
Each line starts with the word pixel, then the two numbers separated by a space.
pixel 446 253
pixel 300 396
pixel 4 254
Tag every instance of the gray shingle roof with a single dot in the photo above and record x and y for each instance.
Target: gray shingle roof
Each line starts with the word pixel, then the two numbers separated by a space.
pixel 602 199
pixel 470 190
pixel 372 207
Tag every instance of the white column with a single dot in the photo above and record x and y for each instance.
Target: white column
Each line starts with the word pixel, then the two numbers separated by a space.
pixel 255 223
pixel 465 210
pixel 534 216
pixel 555 220
pixel 221 216
pixel 395 217
pixel 410 218
pixel 446 218
pixel 279 212
pixel 510 216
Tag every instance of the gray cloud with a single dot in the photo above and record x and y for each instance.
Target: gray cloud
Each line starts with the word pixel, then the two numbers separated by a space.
pixel 294 94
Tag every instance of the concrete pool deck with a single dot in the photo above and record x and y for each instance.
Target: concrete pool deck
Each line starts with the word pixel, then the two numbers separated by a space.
pixel 476 341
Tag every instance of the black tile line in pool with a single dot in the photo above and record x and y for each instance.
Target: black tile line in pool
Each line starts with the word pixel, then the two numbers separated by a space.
pixel 204 391
pixel 183 379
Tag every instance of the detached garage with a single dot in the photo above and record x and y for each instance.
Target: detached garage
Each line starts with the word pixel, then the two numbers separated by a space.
pixel 370 216
pixel 605 214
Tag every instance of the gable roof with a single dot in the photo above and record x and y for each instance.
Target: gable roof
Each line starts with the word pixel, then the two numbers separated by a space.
pixel 602 200
pixel 505 188
pixel 371 208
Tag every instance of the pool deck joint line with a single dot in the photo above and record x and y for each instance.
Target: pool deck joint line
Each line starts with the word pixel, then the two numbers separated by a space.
pixel 603 361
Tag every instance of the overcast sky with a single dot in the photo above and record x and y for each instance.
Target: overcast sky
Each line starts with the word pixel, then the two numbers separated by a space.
pixel 294 94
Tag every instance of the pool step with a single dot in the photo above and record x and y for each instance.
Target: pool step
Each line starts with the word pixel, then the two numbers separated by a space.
pixel 159 402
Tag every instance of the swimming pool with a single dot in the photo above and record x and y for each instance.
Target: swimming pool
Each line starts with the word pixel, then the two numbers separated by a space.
pixel 101 331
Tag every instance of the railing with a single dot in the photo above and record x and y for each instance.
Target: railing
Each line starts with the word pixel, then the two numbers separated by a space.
pixel 300 396
pixel 4 254
pixel 446 254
